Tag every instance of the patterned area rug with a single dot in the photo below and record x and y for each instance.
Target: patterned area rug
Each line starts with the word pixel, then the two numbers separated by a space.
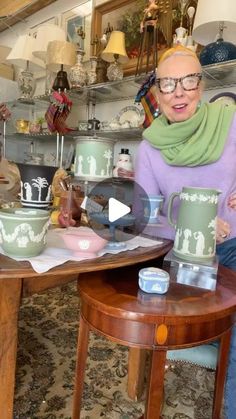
pixel 46 362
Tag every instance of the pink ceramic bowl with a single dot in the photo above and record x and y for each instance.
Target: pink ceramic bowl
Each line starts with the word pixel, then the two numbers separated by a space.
pixel 83 242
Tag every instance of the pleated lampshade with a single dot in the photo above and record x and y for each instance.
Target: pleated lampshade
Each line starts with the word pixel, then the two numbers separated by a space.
pixel 60 53
pixel 21 53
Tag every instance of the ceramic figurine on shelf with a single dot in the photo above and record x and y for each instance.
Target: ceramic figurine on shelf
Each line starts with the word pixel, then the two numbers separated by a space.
pixel 157 17
pixel 124 165
pixel 77 72
pixel 150 13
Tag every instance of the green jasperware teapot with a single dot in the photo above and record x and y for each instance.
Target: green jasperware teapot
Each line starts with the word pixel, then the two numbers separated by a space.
pixel 195 237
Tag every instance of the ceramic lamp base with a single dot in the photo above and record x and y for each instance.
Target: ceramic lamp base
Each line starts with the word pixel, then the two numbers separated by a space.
pixel 114 72
pixel 217 52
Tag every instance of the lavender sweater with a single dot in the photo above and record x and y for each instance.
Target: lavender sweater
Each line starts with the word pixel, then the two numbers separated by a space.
pixel 157 177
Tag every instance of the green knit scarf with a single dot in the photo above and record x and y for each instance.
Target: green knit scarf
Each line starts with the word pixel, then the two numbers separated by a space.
pixel 197 141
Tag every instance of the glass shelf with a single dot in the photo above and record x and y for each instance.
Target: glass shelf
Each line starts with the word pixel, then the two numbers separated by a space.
pixel 29 136
pixel 37 103
pixel 126 88
pixel 113 135
pixel 215 75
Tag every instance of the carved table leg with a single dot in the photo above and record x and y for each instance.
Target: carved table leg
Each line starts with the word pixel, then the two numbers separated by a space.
pixel 82 350
pixel 10 296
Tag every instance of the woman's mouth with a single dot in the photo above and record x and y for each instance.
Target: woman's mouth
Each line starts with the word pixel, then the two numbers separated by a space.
pixel 179 108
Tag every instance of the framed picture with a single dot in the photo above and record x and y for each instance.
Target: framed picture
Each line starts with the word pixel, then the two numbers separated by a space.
pixel 77 24
pixel 127 15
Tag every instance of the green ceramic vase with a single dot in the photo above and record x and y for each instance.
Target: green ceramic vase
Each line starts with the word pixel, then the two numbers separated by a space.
pixel 195 237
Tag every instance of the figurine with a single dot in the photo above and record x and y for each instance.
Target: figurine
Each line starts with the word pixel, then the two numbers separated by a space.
pixel 150 14
pixel 124 166
pixel 157 18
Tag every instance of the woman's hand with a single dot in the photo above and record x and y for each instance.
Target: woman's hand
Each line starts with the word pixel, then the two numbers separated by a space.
pixel 222 230
pixel 232 202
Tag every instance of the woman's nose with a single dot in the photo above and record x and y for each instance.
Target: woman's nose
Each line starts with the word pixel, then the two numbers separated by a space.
pixel 179 91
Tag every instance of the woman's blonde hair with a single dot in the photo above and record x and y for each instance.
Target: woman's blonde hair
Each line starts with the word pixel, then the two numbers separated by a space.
pixel 178 50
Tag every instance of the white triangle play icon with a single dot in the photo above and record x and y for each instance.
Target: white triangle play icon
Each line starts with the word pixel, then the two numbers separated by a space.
pixel 116 209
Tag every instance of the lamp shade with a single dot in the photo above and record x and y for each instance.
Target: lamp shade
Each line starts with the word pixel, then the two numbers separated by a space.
pixel 208 16
pixel 116 45
pixel 22 52
pixel 60 53
pixel 4 52
pixel 46 33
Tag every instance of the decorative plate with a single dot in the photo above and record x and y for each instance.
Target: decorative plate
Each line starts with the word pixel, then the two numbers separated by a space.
pixel 228 98
pixel 131 115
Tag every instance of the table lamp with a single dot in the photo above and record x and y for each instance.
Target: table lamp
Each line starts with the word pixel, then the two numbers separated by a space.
pixel 215 27
pixel 46 33
pixel 115 53
pixel 21 56
pixel 60 54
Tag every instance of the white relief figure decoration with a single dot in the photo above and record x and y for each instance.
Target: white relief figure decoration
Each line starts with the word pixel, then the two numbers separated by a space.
pixel 200 245
pixel 80 165
pixel 21 194
pixel 92 165
pixel 156 212
pixel 108 155
pixel 24 232
pixel 28 191
pixel 102 172
pixel 212 225
pixel 185 245
pixel 49 193
pixel 177 237
pixel 40 183
pixel 210 251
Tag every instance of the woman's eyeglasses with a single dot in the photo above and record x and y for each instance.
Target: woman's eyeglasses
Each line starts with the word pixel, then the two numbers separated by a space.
pixel 168 84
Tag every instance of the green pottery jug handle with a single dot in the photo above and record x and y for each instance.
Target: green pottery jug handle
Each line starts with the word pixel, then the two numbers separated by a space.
pixel 170 203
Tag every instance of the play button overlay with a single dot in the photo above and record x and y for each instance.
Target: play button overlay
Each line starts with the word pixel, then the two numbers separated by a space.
pixel 116 210
pixel 123 212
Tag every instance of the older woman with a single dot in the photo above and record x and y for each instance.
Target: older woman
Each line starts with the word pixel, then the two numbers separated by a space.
pixel 193 144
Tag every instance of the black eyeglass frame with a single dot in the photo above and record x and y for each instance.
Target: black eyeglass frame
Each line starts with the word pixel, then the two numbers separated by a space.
pixel 180 79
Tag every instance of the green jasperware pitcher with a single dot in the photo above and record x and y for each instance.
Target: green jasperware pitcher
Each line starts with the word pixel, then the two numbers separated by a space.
pixel 195 237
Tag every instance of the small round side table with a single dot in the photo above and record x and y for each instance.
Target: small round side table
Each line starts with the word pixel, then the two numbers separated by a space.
pixel 112 304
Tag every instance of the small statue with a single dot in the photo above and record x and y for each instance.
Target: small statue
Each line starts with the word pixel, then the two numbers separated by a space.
pixel 157 18
pixel 150 14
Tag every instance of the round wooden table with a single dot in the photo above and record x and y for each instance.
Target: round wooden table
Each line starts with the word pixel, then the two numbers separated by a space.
pixel 18 279
pixel 113 305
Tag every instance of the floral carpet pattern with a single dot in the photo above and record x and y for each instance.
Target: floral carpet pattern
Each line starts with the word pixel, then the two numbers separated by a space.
pixel 48 327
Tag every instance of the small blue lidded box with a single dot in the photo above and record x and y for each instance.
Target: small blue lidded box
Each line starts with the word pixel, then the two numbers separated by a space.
pixel 154 280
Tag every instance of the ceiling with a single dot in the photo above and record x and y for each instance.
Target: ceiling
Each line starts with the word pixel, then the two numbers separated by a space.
pixel 14 11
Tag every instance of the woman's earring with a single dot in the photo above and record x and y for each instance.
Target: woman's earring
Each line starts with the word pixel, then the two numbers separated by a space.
pixel 199 104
